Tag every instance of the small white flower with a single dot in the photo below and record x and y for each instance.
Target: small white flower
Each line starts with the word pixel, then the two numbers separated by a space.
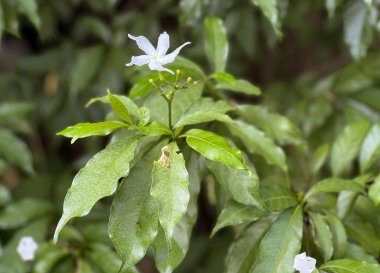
pixel 155 57
pixel 303 263
pixel 26 248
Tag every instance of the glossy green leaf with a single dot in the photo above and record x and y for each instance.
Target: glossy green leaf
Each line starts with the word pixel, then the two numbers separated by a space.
pixel 269 8
pixel 15 151
pixel 347 145
pixel 214 148
pixel 81 130
pixel 333 185
pixel 276 198
pixel 241 86
pixel 216 43
pixel 96 180
pixel 319 157
pixel 257 142
pixel 323 236
pixel 280 244
pixel 155 129
pixel 128 103
pixel 350 266
pixel 276 126
pixel 243 185
pixel 119 108
pixel 339 235
pixel 374 191
pixel 370 151
pixel 235 213
pixel 133 222
pixel 170 182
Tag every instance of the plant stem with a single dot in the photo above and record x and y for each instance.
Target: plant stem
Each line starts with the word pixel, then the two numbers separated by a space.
pixel 170 113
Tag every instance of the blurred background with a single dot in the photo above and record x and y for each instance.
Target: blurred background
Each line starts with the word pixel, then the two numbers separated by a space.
pixel 317 62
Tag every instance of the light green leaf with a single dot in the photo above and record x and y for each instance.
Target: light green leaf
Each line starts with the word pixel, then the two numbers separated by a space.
pixel 339 235
pixel 374 191
pixel 223 77
pixel 155 129
pixel 347 146
pixel 133 222
pixel 201 117
pixel 235 213
pixel 128 103
pixel 119 108
pixel 96 180
pixel 257 142
pixel 214 148
pixel 5 195
pixel 29 8
pixel 216 43
pixel 23 211
pixel 350 266
pixel 81 130
pixel 280 244
pixel 144 116
pixel 276 198
pixel 269 8
pixel 15 151
pixel 333 184
pixel 276 126
pixel 242 86
pixel 243 185
pixel 323 236
pixel 170 182
pixel 319 158
pixel 370 151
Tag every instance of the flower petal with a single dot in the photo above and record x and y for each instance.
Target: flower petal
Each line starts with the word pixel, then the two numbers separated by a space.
pixel 144 44
pixel 162 44
pixel 139 60
pixel 155 65
pixel 171 57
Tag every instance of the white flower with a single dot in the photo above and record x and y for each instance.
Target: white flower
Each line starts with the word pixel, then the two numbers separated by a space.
pixel 303 263
pixel 155 57
pixel 26 248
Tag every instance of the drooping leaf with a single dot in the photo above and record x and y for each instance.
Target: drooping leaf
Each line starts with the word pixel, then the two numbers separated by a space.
pixel 276 198
pixel 347 145
pixel 280 244
pixel 96 180
pixel 119 108
pixel 323 235
pixel 235 213
pixel 374 191
pixel 81 130
pixel 370 151
pixel 350 266
pixel 170 182
pixel 333 185
pixel 257 142
pixel 339 235
pixel 216 43
pixel 214 148
pixel 269 8
pixel 133 221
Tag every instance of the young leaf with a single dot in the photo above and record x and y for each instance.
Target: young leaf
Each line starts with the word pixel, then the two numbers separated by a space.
pixel 133 222
pixel 323 235
pixel 214 148
pixel 333 185
pixel 235 213
pixel 276 198
pixel 81 130
pixel 280 244
pixel 269 8
pixel 370 151
pixel 96 180
pixel 216 43
pixel 350 266
pixel 119 108
pixel 347 146
pixel 374 191
pixel 242 86
pixel 155 129
pixel 243 185
pixel 170 182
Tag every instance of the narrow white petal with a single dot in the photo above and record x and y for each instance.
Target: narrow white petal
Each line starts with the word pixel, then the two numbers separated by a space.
pixel 162 44
pixel 139 60
pixel 171 57
pixel 154 65
pixel 144 44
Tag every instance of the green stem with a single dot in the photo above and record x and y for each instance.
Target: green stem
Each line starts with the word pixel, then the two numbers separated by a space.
pixel 170 113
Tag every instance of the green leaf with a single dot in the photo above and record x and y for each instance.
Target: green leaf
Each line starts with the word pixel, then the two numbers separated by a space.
pixel 280 244
pixel 119 108
pixel 155 129
pixel 170 182
pixel 243 251
pixel 103 257
pixel 96 180
pixel 10 19
pixel 241 86
pixel 319 158
pixel 81 130
pixel 332 5
pixel 243 185
pixel 370 151
pixel 201 117
pixel 48 256
pixel 29 8
pixel 216 43
pixel 356 252
pixel 23 211
pixel 276 126
pixel 128 103
pixel 347 146
pixel 374 191
pixel 133 222
pixel 5 195
pixel 323 235
pixel 11 110
pixel 257 142
pixel 339 235
pixel 276 198
pixel 333 184
pixel 83 267
pixel 144 116
pixel 214 148
pixel 269 8
pixel 235 213
pixel 350 266
pixel 223 77
pixel 15 151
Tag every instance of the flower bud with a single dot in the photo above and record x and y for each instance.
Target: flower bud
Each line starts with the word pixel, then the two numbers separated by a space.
pixel 188 79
